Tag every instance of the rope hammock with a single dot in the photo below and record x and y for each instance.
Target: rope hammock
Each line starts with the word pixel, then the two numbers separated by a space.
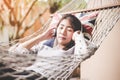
pixel 63 66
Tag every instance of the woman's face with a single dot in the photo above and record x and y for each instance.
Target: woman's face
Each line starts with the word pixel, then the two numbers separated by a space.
pixel 64 32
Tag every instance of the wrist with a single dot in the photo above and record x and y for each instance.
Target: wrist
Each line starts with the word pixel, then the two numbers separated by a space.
pixel 78 38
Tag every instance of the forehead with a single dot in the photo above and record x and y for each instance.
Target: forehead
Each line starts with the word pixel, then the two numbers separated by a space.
pixel 66 22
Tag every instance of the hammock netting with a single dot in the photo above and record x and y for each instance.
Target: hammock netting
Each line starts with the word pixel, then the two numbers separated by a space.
pixel 11 65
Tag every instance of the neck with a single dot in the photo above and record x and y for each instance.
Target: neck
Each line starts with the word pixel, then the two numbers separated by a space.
pixel 60 47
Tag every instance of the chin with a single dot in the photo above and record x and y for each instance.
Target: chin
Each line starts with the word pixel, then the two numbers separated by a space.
pixel 61 42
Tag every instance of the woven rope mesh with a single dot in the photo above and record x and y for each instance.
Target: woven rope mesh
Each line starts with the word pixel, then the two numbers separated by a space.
pixel 105 21
pixel 62 66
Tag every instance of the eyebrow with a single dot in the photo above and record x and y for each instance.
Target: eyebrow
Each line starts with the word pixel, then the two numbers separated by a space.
pixel 67 26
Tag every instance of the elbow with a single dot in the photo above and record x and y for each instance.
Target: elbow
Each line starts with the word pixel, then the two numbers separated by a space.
pixel 88 53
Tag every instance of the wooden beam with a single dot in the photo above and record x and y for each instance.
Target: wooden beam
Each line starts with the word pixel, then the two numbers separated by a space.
pixel 92 9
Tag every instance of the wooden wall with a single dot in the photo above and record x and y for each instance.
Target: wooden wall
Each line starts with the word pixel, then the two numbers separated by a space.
pixel 105 64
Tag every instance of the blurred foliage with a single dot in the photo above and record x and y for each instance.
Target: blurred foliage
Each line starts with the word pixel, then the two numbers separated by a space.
pixel 57 4
pixel 19 16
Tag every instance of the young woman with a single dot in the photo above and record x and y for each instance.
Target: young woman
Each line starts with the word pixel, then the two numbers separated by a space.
pixel 65 39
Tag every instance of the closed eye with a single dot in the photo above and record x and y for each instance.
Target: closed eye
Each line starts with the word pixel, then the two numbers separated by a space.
pixel 61 26
pixel 70 29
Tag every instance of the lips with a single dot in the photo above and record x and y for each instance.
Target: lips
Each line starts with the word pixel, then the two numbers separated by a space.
pixel 62 37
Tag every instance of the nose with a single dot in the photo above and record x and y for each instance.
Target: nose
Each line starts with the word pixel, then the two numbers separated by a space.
pixel 63 31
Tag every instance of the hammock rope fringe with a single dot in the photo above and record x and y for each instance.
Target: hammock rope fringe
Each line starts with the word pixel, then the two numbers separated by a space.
pixel 63 66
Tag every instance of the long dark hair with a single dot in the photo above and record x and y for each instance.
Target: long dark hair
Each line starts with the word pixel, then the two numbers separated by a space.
pixel 75 22
pixel 76 25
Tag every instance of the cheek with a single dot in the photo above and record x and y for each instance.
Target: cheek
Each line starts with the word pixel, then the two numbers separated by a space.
pixel 70 36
